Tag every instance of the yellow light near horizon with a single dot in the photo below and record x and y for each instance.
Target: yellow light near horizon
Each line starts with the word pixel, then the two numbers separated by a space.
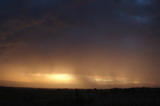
pixel 103 80
pixel 61 78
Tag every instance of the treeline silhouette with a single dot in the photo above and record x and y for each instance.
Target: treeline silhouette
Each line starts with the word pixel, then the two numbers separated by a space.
pixel 79 97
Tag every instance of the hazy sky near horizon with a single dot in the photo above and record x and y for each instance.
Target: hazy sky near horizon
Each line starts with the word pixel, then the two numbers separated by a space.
pixel 80 43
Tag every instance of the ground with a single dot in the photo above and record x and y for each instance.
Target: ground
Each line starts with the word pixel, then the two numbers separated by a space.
pixel 79 97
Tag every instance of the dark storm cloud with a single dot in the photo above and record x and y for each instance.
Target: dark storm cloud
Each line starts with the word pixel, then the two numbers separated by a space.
pixel 20 19
pixel 95 22
pixel 7 44
pixel 76 11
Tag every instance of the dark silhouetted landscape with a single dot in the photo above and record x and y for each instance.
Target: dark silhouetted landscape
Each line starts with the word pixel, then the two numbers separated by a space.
pixel 79 97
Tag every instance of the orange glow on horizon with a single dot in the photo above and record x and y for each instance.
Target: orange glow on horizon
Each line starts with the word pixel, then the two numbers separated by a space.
pixel 68 79
pixel 61 78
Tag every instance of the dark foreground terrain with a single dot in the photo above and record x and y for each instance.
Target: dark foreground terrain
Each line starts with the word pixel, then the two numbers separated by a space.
pixel 77 97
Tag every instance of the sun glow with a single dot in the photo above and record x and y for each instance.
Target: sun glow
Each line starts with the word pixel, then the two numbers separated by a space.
pixel 61 78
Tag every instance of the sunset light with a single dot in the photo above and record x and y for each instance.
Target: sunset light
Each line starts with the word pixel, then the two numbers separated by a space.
pixel 61 78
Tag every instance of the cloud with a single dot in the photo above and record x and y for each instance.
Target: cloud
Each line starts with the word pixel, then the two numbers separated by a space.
pixel 8 43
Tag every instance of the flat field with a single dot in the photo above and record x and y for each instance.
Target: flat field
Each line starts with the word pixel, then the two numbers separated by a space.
pixel 79 97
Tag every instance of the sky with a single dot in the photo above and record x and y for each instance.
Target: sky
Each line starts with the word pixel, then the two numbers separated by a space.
pixel 80 43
